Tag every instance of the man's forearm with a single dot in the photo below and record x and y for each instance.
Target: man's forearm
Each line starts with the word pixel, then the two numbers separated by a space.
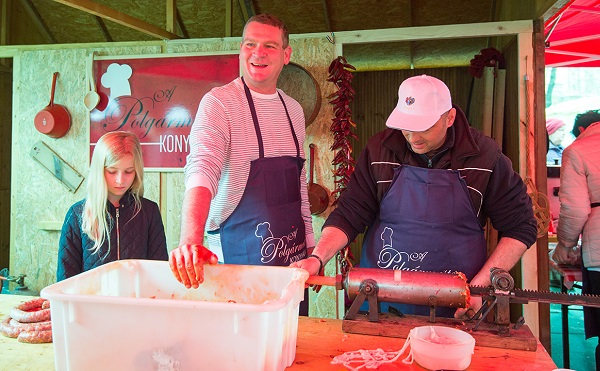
pixel 505 256
pixel 331 241
pixel 196 204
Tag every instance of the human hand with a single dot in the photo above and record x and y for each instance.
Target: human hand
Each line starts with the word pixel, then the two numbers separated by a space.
pixel 564 255
pixel 311 265
pixel 473 307
pixel 187 263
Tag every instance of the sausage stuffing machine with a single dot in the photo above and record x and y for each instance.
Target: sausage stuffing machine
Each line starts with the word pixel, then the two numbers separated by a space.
pixel 491 326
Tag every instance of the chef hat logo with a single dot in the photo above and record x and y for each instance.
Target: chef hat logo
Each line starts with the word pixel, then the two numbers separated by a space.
pixel 116 78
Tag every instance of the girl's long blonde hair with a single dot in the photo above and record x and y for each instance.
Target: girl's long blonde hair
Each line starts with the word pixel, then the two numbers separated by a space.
pixel 111 147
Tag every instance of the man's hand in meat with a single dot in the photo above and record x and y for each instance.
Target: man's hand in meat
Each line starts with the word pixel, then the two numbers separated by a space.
pixel 187 263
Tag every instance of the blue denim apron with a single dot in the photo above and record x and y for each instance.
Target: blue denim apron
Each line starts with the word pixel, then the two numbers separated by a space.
pixel 426 222
pixel 267 227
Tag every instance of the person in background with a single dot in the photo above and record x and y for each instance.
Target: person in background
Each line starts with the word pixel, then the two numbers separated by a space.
pixel 579 197
pixel 556 135
pixel 424 188
pixel 114 221
pixel 245 178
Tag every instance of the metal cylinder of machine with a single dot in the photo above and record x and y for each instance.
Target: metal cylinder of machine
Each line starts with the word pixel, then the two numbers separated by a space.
pixel 411 287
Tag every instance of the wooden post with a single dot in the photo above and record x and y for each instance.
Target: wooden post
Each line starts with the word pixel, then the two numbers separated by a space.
pixel 499 95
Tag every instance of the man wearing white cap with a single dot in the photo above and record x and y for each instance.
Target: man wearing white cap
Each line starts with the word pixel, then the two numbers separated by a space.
pixel 425 188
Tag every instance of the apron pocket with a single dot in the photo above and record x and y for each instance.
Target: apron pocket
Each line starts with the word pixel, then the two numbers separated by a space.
pixel 427 202
pixel 281 187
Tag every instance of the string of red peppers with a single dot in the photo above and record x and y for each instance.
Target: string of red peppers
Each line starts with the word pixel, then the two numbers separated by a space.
pixel 343 163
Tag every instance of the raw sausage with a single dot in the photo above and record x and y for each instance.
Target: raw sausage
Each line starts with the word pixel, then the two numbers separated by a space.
pixel 34 326
pixel 27 317
pixel 35 310
pixel 32 304
pixel 29 322
pixel 35 337
pixel 12 328
pixel 7 330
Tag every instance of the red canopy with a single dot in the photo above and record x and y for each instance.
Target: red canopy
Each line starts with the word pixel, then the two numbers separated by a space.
pixel 573 35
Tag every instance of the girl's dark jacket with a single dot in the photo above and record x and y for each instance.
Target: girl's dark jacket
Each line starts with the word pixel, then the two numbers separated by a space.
pixel 140 237
pixel 497 191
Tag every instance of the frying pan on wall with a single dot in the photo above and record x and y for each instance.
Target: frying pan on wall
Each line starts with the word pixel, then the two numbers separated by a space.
pixel 54 120
pixel 318 197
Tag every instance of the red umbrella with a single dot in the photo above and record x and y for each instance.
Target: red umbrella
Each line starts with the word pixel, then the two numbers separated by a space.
pixel 573 35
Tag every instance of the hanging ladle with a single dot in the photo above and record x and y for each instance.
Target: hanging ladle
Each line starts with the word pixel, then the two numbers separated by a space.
pixel 92 98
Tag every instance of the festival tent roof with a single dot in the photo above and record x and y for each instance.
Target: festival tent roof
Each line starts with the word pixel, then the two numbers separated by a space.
pixel 573 35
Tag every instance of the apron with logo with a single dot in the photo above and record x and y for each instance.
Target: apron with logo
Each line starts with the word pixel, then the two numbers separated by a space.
pixel 267 227
pixel 426 222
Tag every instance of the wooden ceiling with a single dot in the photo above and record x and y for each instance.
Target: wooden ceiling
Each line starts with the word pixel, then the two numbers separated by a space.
pixel 87 21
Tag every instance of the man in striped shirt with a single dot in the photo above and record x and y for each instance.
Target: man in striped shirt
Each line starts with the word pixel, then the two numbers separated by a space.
pixel 245 179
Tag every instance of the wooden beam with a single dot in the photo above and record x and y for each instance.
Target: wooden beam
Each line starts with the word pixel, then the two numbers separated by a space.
pixel 555 10
pixel 4 24
pixel 450 31
pixel 242 9
pixel 539 114
pixel 326 16
pixel 171 15
pixel 105 12
pixel 411 44
pixel 181 25
pixel 228 17
pixel 247 9
pixel 37 20
pixel 104 30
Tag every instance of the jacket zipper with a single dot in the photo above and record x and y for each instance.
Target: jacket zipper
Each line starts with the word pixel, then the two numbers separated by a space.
pixel 118 237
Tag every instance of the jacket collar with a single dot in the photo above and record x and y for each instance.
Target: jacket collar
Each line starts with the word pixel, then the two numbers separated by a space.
pixel 591 130
pixel 125 201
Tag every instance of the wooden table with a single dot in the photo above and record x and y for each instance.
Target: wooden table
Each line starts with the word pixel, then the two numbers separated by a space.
pixel 319 340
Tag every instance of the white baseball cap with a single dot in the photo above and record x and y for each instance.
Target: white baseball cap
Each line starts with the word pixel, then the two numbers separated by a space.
pixel 421 102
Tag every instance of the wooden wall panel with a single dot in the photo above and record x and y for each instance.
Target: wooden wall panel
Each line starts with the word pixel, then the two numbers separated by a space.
pixel 17 29
pixel 5 167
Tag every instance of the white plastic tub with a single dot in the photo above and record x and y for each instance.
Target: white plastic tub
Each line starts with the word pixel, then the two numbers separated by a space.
pixel 134 315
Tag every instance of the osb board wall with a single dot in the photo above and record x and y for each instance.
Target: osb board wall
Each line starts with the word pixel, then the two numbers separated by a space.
pixel 40 201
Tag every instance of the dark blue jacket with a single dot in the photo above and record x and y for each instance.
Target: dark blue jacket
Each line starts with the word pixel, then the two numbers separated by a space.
pixel 140 237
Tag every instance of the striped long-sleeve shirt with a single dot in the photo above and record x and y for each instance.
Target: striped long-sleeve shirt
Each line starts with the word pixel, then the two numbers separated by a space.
pixel 223 143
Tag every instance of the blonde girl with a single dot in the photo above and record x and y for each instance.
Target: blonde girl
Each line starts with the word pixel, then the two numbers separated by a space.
pixel 114 221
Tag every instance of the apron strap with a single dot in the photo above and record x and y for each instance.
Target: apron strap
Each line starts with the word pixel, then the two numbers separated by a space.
pixel 291 126
pixel 261 150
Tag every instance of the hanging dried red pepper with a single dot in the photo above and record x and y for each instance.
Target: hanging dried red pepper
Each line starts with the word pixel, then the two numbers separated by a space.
pixel 343 163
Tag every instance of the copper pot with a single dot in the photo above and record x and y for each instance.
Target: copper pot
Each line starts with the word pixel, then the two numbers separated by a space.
pixel 54 120
pixel 318 197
